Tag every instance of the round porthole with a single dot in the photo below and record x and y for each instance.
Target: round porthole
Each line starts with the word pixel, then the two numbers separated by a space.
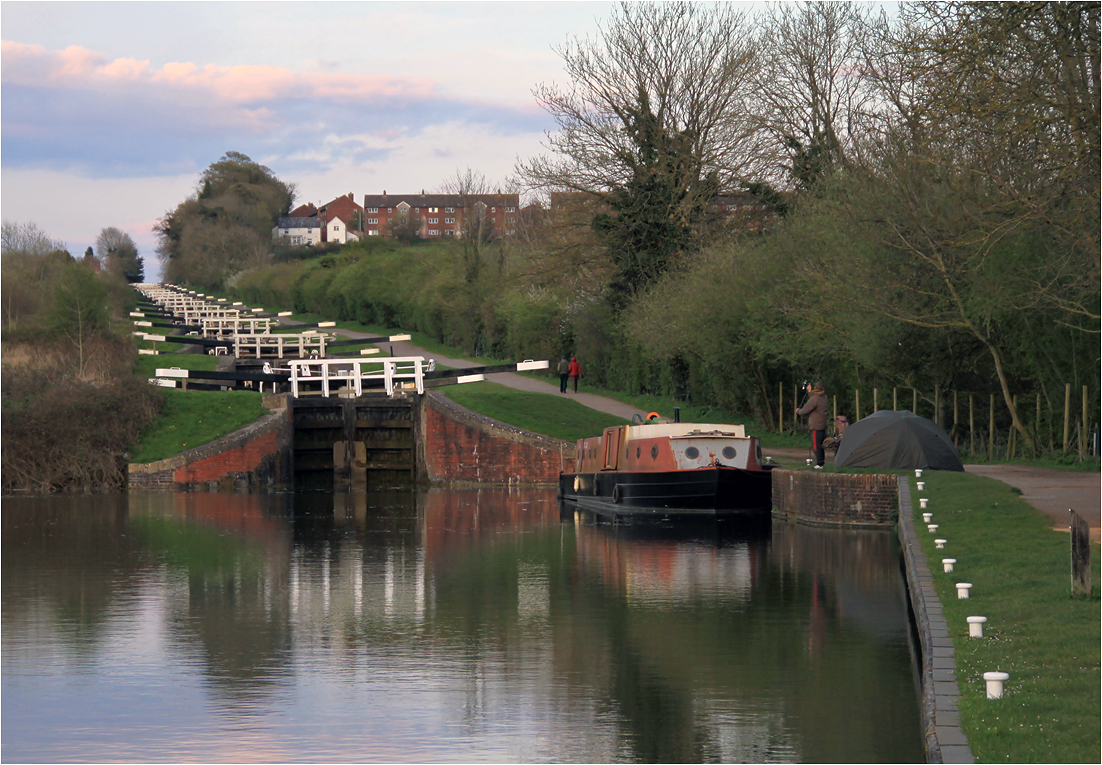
pixel 729 452
pixel 654 452
pixel 692 452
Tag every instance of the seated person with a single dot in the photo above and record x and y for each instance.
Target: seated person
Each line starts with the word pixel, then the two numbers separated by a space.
pixel 840 425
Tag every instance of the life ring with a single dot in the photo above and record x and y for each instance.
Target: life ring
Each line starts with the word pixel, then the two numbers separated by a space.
pixel 616 494
pixel 653 416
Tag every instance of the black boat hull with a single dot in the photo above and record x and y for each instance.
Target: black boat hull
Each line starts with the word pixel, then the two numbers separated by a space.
pixel 702 492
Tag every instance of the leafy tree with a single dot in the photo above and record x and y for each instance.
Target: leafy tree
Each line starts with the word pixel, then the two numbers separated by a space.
pixel 225 226
pixel 656 213
pixel 119 255
pixel 404 227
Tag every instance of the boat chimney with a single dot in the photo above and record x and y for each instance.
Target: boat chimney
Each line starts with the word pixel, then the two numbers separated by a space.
pixel 677 414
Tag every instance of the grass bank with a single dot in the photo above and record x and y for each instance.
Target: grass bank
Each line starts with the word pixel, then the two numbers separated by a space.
pixel 1036 631
pixel 191 418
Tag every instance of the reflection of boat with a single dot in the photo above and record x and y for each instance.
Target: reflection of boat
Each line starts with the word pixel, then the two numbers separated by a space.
pixel 669 468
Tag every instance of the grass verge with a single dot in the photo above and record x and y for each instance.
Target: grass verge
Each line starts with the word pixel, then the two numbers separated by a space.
pixel 191 418
pixel 537 412
pixel 1036 631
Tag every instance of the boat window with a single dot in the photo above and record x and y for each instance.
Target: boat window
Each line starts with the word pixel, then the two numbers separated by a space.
pixel 654 452
pixel 637 451
pixel 729 452
pixel 692 452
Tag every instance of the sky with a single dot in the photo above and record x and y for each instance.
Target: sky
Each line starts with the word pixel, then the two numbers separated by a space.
pixel 110 110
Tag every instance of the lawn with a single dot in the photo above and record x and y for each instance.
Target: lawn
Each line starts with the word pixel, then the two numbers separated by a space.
pixel 543 413
pixel 1047 640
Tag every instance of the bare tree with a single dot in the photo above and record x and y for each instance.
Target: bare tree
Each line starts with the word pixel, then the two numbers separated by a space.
pixel 119 255
pixel 695 64
pixel 809 92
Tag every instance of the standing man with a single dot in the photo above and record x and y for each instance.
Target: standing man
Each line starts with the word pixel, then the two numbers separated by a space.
pixel 816 409
pixel 564 372
pixel 575 371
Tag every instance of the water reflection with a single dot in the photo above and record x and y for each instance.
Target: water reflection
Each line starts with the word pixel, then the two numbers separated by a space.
pixel 443 625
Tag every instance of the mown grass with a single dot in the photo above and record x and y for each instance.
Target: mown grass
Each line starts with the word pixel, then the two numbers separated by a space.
pixel 1047 640
pixel 543 413
pixel 191 418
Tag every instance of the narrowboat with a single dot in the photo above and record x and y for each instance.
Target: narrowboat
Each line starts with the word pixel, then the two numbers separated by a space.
pixel 669 468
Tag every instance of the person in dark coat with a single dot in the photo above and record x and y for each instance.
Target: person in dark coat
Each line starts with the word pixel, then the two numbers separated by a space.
pixel 816 411
pixel 564 373
pixel 575 371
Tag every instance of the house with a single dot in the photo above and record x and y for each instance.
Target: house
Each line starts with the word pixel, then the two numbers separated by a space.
pixel 350 215
pixel 436 216
pixel 298 231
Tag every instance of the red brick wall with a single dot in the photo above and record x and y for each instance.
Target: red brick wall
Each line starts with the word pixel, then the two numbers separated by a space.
pixel 836 498
pixel 243 459
pixel 462 447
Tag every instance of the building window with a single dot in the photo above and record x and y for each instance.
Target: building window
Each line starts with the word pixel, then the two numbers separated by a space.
pixel 434 232
pixel 449 232
pixel 449 209
pixel 434 220
pixel 374 221
pixel 390 209
pixel 433 209
pixel 449 220
pixel 373 209
pixel 510 209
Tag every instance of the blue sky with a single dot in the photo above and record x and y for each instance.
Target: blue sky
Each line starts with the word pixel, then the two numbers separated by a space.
pixel 109 110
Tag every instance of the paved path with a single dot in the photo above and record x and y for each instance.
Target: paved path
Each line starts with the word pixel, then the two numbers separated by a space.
pixel 1050 491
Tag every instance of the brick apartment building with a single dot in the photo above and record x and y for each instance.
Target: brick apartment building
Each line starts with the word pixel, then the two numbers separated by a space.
pixel 441 215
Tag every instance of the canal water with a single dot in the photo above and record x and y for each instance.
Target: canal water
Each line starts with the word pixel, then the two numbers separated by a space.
pixel 473 626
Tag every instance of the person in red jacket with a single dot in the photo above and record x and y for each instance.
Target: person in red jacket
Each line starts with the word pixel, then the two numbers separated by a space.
pixel 575 371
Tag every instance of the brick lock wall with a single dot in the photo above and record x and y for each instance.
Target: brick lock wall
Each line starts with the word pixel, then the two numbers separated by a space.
pixel 462 447
pixel 835 498
pixel 258 455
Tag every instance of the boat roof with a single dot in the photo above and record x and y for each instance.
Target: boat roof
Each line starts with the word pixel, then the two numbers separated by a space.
pixel 685 430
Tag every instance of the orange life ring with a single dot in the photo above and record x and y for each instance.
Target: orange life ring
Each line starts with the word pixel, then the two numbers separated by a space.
pixel 653 416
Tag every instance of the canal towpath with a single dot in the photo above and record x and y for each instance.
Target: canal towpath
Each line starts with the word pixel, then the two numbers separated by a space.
pixel 1050 491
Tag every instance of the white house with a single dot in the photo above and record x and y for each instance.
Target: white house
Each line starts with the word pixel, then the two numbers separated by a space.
pixel 338 231
pixel 298 231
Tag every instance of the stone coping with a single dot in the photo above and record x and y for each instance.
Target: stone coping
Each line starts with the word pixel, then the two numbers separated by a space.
pixel 498 428
pixel 945 741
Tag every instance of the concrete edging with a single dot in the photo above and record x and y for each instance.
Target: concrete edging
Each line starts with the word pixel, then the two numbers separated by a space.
pixel 945 741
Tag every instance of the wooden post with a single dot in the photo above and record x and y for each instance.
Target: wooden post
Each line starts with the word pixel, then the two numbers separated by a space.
pixel 914 403
pixel 780 407
pixel 937 403
pixel 956 414
pixel 971 426
pixel 856 405
pixel 1083 435
pixel 991 429
pixel 834 403
pixel 1080 555
pixel 895 399
pixel 1012 436
pixel 1067 414
pixel 875 401
pixel 795 406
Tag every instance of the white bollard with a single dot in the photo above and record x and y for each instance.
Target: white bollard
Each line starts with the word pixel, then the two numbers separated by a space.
pixel 975 626
pixel 922 486
pixel 932 527
pixel 809 462
pixel 918 472
pixel 995 682
pixel 923 502
pixel 962 590
pixel 940 543
pixel 926 517
pixel 948 564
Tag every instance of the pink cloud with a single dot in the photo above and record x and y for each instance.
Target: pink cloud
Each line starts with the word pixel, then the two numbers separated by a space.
pixel 80 67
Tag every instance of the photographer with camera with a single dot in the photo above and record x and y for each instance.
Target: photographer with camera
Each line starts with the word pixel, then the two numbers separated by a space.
pixel 816 410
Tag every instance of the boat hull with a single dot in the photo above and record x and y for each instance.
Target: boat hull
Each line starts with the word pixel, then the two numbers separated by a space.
pixel 712 491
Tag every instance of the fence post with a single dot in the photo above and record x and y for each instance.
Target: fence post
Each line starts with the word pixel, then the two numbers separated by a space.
pixel 914 403
pixel 1012 438
pixel 895 399
pixel 780 407
pixel 1083 431
pixel 991 429
pixel 795 406
pixel 875 400
pixel 971 426
pixel 1067 414
pixel 856 405
pixel 956 413
pixel 1037 428
pixel 937 404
